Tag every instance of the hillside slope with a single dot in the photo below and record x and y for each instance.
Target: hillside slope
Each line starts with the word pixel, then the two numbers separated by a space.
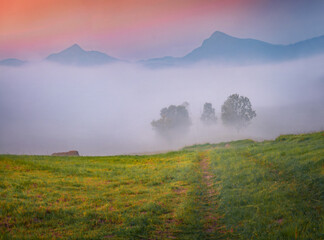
pixel 236 190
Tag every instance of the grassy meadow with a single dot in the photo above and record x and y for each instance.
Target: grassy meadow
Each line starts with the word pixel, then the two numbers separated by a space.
pixel 236 190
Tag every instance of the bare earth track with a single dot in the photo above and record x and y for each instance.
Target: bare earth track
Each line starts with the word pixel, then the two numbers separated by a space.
pixel 212 227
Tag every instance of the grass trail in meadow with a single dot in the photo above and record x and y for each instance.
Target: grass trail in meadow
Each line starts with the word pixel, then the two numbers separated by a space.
pixel 200 219
pixel 237 190
pixel 212 226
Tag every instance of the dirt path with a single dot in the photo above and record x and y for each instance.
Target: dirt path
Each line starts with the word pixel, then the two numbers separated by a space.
pixel 211 218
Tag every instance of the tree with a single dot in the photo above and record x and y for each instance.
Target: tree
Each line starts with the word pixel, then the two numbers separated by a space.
pixel 208 116
pixel 174 120
pixel 237 111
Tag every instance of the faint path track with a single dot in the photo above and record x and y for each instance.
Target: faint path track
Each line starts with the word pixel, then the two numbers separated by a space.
pixel 211 218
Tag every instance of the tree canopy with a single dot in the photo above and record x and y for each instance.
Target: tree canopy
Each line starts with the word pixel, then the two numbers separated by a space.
pixel 173 120
pixel 208 116
pixel 237 111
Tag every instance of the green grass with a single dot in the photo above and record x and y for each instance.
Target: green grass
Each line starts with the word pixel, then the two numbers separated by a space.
pixel 237 190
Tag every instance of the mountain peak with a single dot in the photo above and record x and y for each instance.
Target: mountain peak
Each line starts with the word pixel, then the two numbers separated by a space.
pixel 218 34
pixel 75 55
pixel 222 48
pixel 218 38
pixel 75 47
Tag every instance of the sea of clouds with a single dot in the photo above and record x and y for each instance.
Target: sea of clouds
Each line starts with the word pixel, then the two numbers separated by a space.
pixel 107 110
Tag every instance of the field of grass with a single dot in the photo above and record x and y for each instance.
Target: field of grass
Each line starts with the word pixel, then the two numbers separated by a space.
pixel 236 190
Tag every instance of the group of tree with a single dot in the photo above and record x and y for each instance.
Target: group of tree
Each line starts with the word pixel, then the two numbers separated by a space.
pixel 236 112
pixel 173 120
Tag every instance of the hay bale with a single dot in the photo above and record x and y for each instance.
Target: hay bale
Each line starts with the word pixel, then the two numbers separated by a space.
pixel 69 153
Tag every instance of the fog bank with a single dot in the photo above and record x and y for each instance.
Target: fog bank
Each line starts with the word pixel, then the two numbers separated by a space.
pixel 107 110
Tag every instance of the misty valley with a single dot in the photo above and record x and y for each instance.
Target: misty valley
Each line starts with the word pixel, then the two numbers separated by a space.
pixel 223 139
pixel 108 110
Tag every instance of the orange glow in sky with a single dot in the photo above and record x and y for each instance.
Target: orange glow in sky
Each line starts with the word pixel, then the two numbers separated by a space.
pixel 108 25
pixel 131 29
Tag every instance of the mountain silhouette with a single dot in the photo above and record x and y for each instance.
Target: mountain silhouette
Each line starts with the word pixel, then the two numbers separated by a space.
pixel 219 48
pixel 225 49
pixel 75 55
pixel 12 62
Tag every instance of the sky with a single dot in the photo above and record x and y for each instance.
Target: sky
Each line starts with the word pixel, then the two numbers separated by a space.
pixel 140 29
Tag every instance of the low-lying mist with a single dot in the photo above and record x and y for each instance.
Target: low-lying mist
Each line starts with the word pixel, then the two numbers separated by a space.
pixel 107 110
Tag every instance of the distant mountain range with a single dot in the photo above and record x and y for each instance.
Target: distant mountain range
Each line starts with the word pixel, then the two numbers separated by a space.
pixel 12 62
pixel 225 49
pixel 75 55
pixel 219 48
